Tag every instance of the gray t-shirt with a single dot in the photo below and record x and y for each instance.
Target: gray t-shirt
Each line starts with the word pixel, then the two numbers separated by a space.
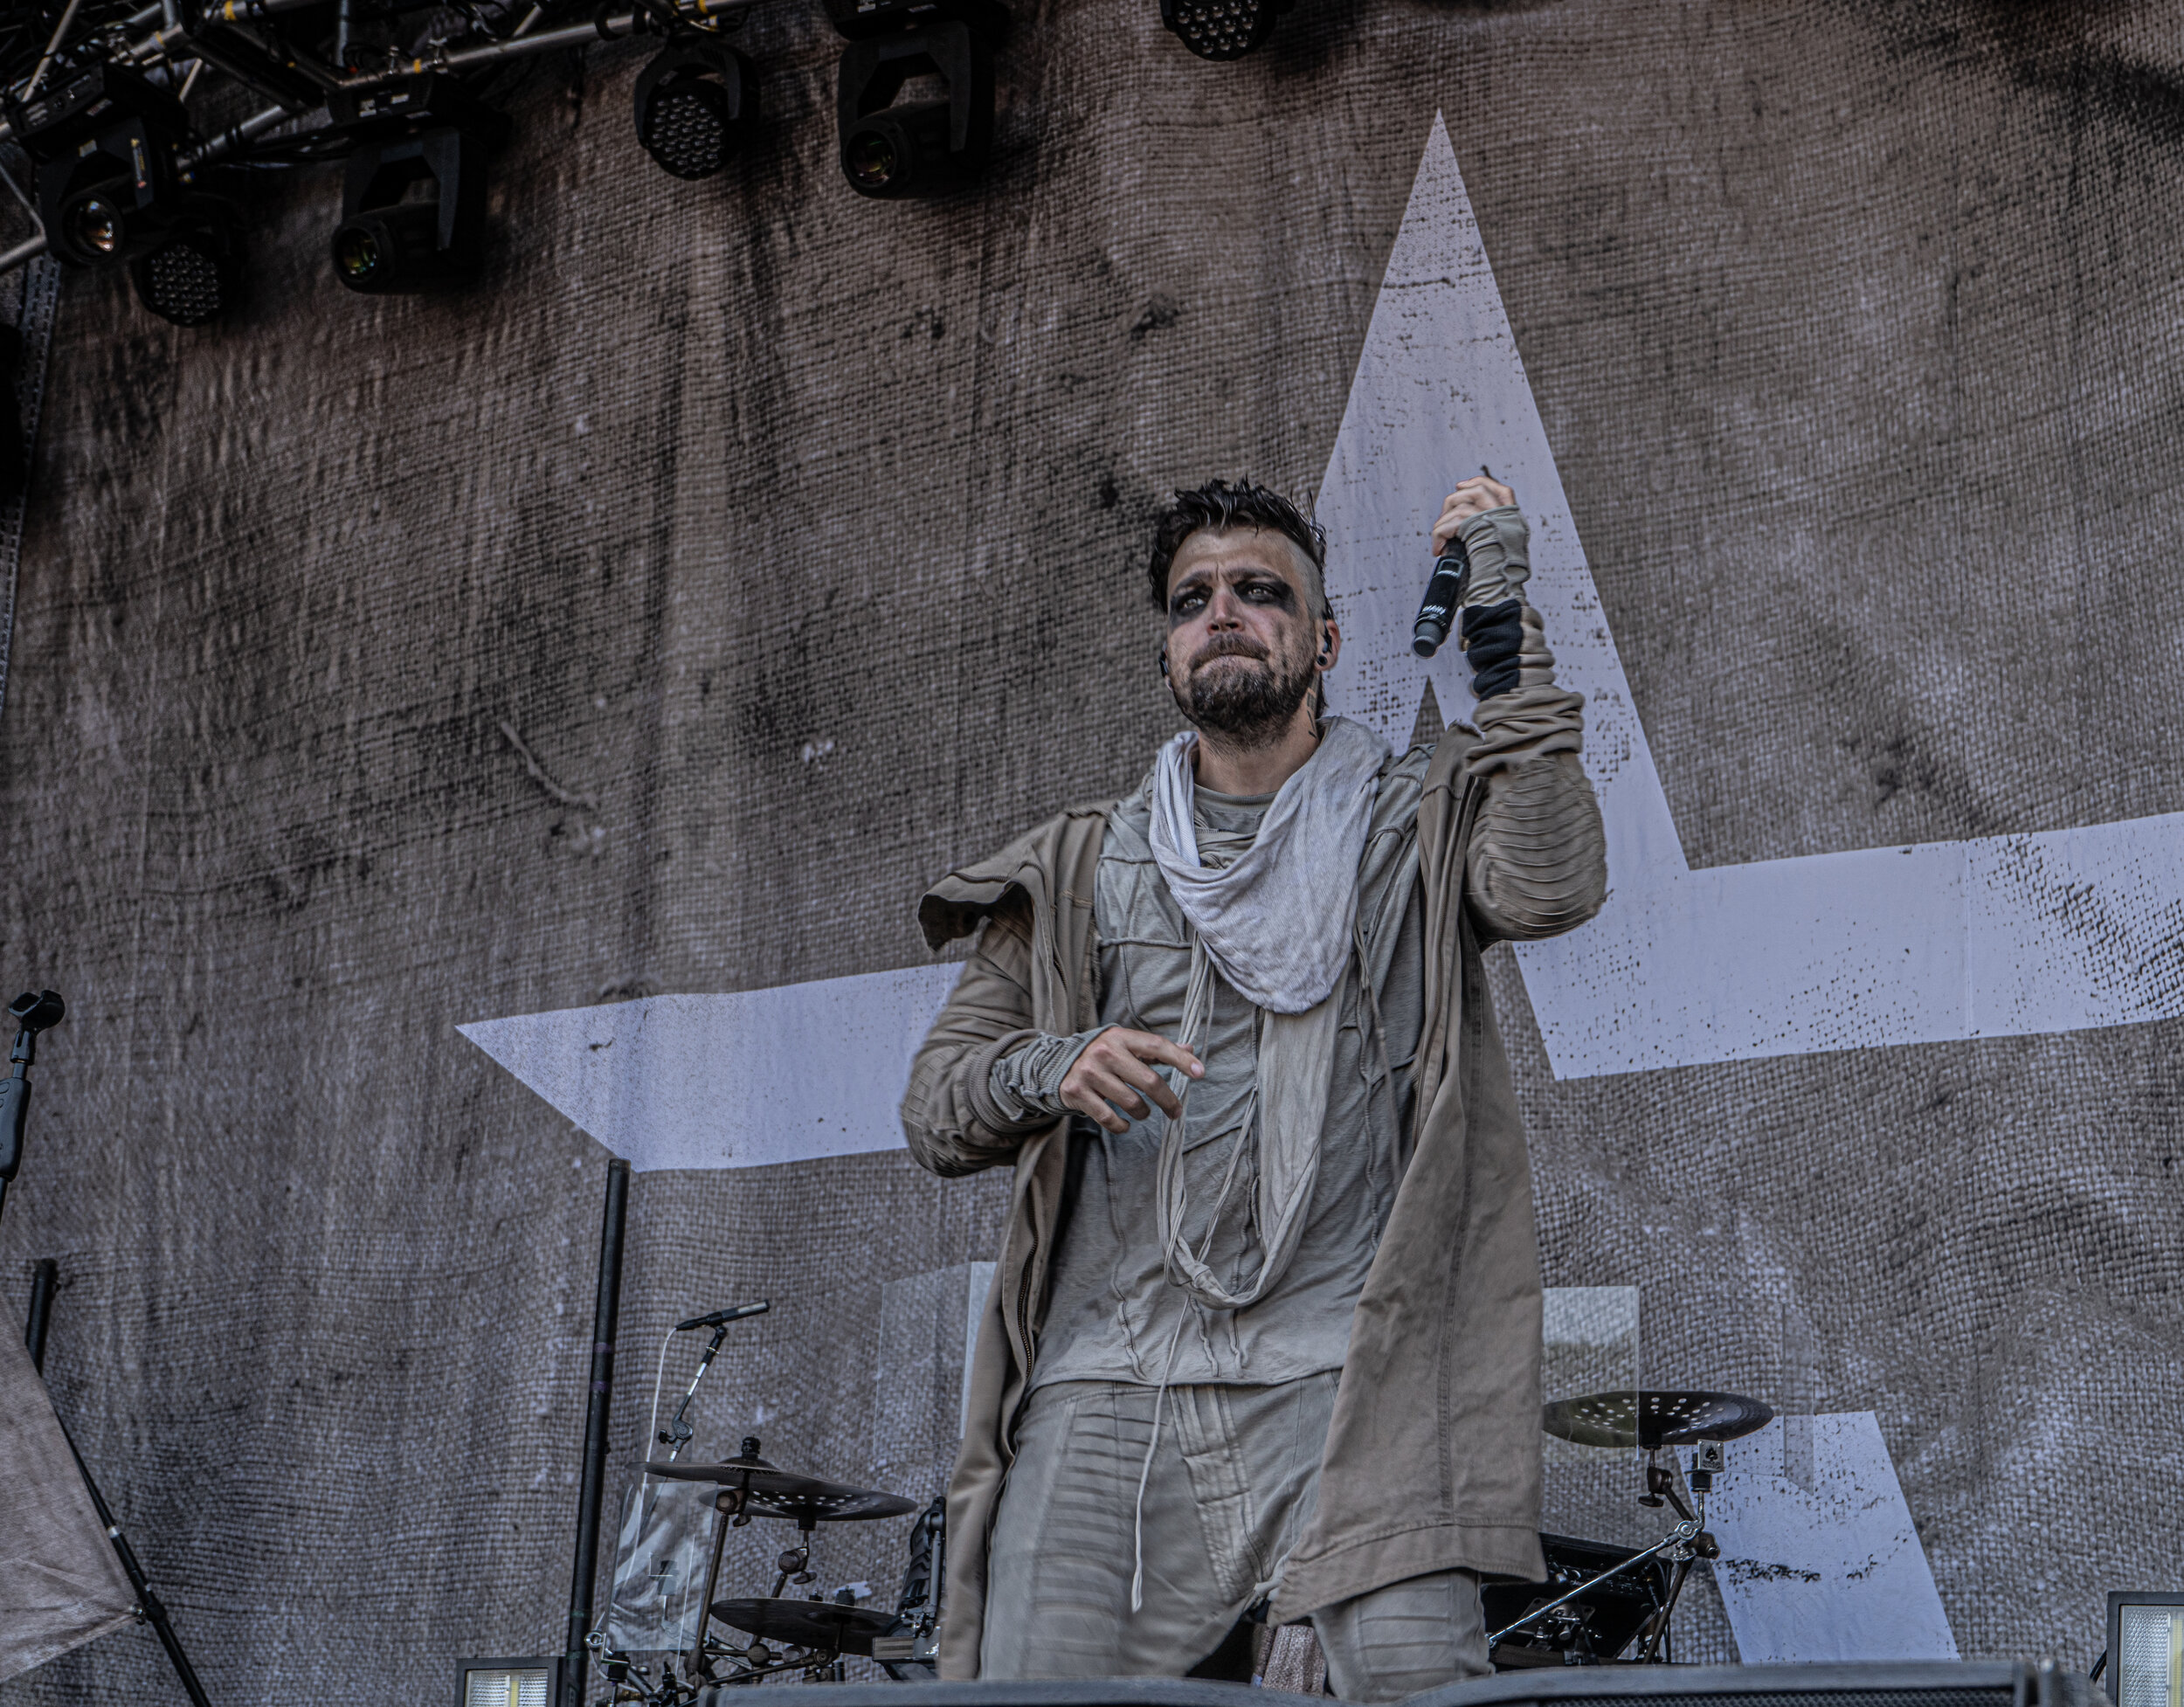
pixel 1111 1312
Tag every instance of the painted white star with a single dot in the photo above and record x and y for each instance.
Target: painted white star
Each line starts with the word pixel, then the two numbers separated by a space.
pixel 2062 931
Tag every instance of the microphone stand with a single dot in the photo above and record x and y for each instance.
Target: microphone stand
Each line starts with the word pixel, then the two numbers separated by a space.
pixel 676 1435
pixel 150 1609
pixel 32 1014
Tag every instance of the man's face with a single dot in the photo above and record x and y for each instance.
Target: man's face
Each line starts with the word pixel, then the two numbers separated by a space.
pixel 1242 640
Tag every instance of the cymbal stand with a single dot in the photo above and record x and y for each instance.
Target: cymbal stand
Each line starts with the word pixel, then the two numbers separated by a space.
pixel 819 1665
pixel 730 1505
pixel 927 1641
pixel 1662 1482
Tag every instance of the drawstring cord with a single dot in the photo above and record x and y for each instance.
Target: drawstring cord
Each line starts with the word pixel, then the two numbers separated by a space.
pixel 1145 1475
pixel 1197 1006
pixel 1198 1009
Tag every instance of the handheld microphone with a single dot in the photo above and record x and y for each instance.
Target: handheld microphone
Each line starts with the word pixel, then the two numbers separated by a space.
pixel 1437 612
pixel 720 1318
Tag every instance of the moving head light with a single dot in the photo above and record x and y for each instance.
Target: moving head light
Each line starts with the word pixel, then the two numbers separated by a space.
pixel 108 146
pixel 413 200
pixel 891 148
pixel 105 144
pixel 696 104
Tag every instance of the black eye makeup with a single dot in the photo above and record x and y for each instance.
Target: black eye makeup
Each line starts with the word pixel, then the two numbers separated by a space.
pixel 1269 591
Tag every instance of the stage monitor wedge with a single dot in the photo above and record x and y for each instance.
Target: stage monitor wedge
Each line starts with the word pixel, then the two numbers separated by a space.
pixel 1904 1683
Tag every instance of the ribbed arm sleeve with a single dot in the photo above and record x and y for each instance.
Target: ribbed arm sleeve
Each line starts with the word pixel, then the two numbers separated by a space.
pixel 951 1119
pixel 1026 1083
pixel 1537 862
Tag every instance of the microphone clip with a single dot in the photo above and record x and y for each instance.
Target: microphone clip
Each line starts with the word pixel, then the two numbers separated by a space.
pixel 720 1318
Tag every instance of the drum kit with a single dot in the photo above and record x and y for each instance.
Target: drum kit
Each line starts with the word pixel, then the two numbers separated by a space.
pixel 779 1631
pixel 1601 1604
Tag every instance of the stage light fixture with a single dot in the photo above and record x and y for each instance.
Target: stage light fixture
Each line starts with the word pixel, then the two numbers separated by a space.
pixel 509 1683
pixel 2146 1649
pixel 696 103
pixel 1222 29
pixel 105 145
pixel 892 147
pixel 413 198
pixel 196 275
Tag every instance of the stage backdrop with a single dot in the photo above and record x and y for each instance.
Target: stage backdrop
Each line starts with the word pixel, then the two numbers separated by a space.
pixel 656 621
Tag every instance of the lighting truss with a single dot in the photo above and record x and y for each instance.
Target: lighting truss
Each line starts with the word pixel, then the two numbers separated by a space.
pixel 113 163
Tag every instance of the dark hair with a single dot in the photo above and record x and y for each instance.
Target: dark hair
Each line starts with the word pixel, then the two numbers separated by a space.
pixel 1220 505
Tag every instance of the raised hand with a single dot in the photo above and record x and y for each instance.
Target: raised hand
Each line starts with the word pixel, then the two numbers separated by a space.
pixel 1473 497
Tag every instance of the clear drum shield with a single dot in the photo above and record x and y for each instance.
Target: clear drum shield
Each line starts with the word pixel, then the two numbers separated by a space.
pixel 660 1563
pixel 1590 1346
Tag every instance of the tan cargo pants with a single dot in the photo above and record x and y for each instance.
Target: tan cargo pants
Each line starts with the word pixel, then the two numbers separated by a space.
pixel 1232 1486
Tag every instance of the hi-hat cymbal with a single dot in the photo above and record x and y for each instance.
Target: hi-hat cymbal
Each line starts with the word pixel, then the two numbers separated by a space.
pixel 820 1624
pixel 1653 1418
pixel 765 1492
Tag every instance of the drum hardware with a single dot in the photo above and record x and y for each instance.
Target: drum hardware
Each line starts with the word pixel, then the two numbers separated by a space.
pixel 809 1627
pixel 619 1670
pixel 909 1652
pixel 1591 1630
pixel 751 1487
pixel 1653 1419
pixel 1656 1422
pixel 1676 1546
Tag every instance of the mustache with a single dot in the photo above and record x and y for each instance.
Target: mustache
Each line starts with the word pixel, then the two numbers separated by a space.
pixel 1228 645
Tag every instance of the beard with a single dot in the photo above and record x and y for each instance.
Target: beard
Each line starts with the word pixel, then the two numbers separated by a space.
pixel 1250 700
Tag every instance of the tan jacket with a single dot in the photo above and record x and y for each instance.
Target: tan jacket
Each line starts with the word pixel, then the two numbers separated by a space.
pixel 1433 1457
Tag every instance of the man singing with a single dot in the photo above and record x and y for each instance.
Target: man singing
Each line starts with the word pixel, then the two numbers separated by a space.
pixel 1265 1328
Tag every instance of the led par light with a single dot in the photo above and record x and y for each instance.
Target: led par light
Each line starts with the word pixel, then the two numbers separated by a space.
pixel 197 275
pixel 2146 1649
pixel 509 1683
pixel 413 200
pixel 105 145
pixel 1222 29
pixel 891 148
pixel 696 104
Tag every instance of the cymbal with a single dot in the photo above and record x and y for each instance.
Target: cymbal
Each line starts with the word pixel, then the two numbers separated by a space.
pixel 767 1492
pixel 1653 1418
pixel 820 1624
